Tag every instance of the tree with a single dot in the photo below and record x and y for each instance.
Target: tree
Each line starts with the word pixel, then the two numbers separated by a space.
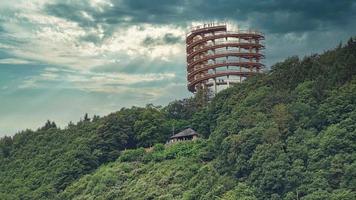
pixel 240 192
pixel 86 117
pixel 149 128
pixel 5 146
pixel 48 125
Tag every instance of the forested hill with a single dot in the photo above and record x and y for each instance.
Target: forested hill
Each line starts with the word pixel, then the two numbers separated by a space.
pixel 287 134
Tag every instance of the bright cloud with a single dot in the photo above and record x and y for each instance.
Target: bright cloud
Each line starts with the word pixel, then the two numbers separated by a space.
pixel 14 61
pixel 105 54
pixel 58 41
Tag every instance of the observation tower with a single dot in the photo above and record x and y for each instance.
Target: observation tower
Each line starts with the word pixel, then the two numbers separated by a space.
pixel 217 57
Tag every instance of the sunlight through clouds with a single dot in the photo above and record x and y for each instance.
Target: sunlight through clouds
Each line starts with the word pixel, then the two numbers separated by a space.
pixel 59 41
pixel 94 81
pixel 105 54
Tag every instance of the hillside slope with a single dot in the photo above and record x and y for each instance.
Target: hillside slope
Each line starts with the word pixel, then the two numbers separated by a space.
pixel 174 172
pixel 286 134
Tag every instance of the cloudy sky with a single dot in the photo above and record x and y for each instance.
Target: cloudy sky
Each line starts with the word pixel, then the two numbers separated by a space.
pixel 60 59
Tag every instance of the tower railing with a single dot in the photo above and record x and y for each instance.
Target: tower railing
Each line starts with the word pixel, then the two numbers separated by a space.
pixel 209 52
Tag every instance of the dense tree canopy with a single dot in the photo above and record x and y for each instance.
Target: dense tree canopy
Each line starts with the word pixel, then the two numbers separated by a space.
pixel 287 134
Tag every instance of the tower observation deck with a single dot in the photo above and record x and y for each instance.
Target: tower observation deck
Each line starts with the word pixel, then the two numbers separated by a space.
pixel 217 58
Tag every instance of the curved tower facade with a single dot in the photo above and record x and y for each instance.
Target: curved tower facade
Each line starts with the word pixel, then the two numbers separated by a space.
pixel 217 58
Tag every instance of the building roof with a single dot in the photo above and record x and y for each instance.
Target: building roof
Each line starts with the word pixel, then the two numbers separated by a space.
pixel 184 133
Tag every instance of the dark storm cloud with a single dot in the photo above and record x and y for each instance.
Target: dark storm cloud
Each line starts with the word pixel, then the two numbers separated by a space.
pixel 168 38
pixel 274 16
pixel 306 22
pixel 29 50
pixel 72 12
pixel 91 38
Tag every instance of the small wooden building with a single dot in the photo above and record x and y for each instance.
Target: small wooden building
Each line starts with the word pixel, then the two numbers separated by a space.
pixel 187 134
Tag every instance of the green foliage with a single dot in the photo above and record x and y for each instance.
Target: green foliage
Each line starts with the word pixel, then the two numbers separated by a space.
pixel 286 134
pixel 165 179
pixel 300 142
pixel 40 164
pixel 241 192
pixel 160 152
pixel 149 127
pixel 182 109
pixel 132 155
